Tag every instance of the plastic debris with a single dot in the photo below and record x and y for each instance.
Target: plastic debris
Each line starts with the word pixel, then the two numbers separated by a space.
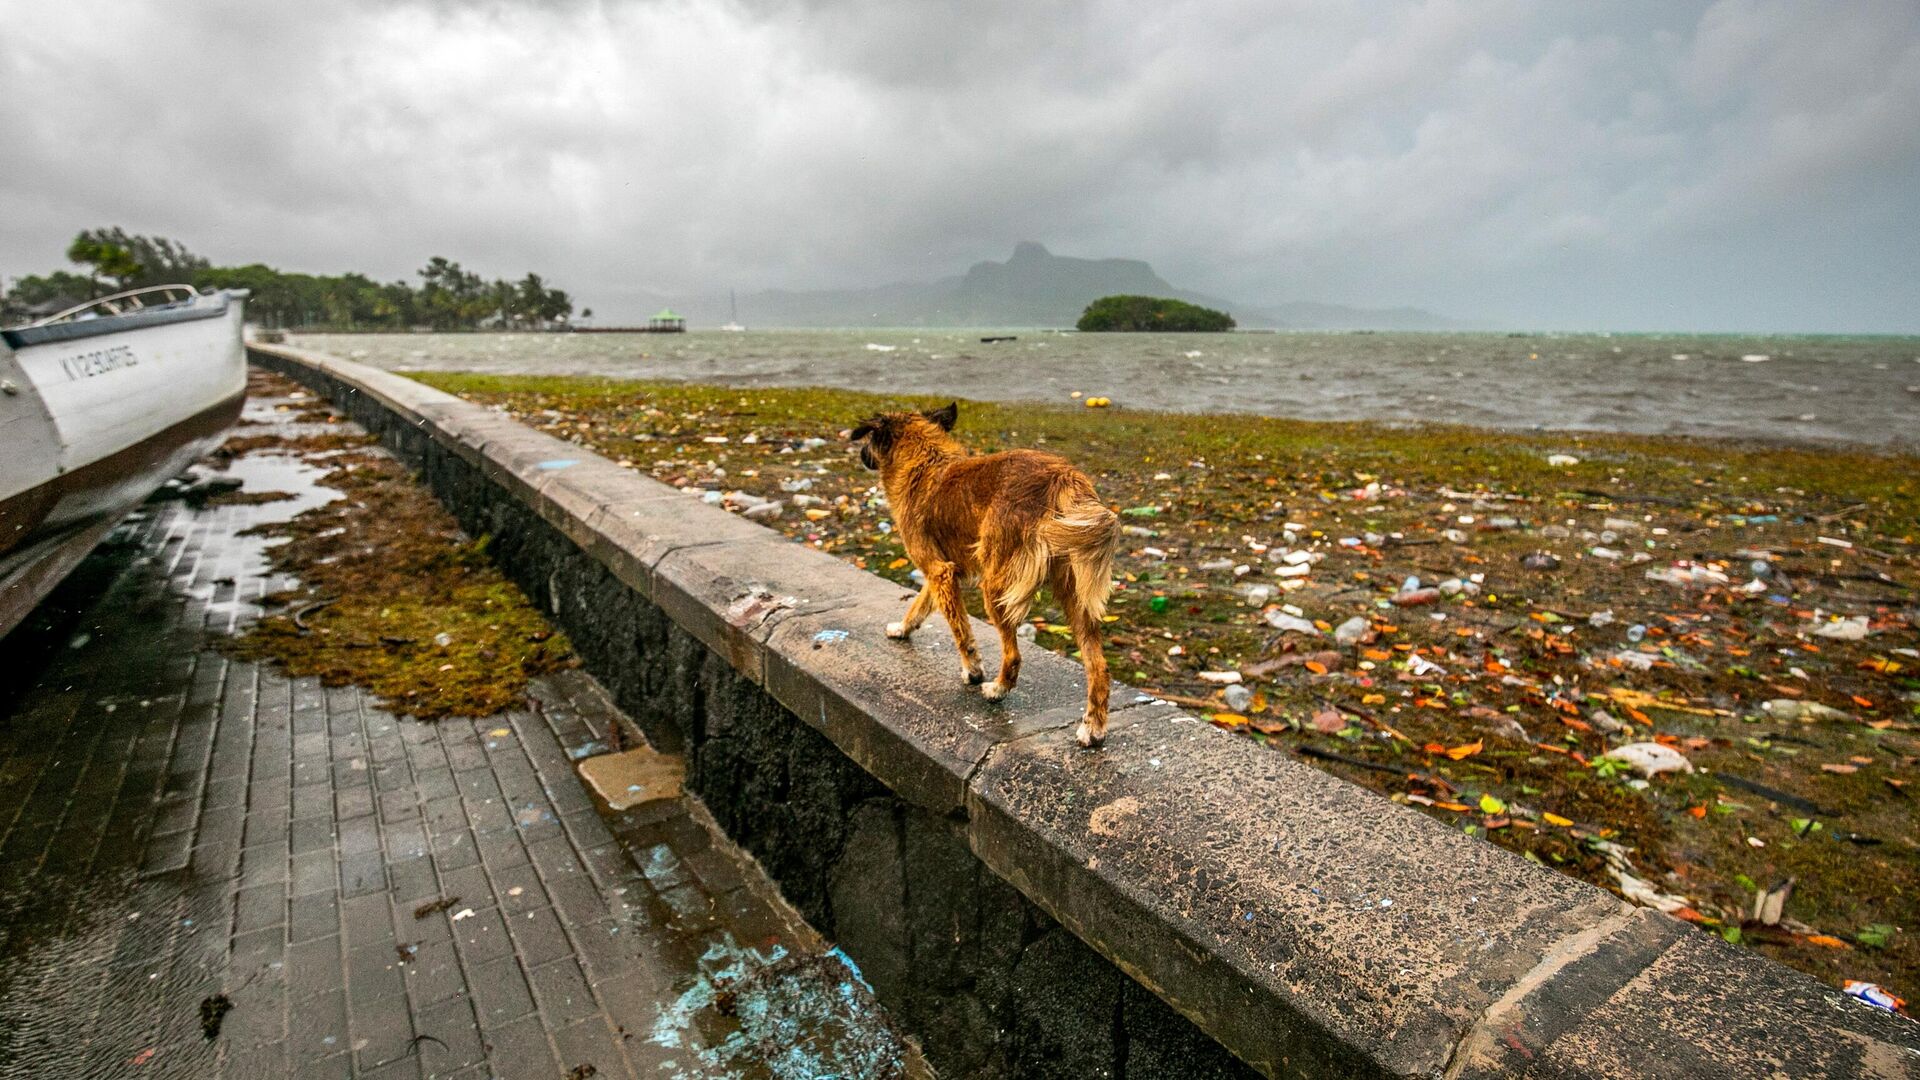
pixel 1605 721
pixel 1352 632
pixel 1806 712
pixel 1687 574
pixel 1770 904
pixel 1875 995
pixel 1853 628
pixel 1280 620
pixel 1650 759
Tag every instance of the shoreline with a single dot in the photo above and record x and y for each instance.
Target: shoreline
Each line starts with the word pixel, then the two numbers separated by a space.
pixel 1685 582
pixel 1732 443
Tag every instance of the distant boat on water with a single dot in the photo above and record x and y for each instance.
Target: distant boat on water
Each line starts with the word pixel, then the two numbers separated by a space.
pixel 99 405
pixel 733 314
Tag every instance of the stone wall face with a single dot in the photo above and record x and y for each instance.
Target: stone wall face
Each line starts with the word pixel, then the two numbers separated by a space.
pixel 1178 904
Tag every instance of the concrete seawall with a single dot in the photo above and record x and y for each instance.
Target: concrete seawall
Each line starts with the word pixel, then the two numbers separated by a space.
pixel 1179 903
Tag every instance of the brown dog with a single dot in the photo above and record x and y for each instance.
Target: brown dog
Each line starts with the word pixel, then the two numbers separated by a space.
pixel 1010 521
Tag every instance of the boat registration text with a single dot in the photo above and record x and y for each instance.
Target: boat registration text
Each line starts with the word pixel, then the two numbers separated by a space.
pixel 98 362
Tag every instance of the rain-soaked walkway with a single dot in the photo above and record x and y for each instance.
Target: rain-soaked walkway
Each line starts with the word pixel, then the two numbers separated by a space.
pixel 181 831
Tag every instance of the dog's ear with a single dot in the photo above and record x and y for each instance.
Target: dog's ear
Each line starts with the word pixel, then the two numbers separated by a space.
pixel 945 417
pixel 876 430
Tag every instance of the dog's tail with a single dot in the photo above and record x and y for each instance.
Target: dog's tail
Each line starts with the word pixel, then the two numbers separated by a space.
pixel 1085 534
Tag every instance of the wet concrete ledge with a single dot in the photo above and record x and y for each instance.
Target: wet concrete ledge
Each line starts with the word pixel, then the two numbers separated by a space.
pixel 1308 927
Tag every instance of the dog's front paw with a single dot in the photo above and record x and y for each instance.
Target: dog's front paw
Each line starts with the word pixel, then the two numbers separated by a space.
pixel 994 690
pixel 1084 734
pixel 897 631
pixel 972 676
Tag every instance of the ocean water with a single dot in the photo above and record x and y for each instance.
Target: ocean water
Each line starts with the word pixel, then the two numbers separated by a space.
pixel 1861 390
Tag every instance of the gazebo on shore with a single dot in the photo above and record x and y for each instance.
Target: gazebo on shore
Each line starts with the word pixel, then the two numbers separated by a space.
pixel 666 322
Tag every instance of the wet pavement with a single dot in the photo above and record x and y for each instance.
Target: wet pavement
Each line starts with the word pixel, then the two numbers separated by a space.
pixel 209 869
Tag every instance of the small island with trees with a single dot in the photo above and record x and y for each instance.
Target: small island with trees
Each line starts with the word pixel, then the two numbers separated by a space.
pixel 1151 313
pixel 449 297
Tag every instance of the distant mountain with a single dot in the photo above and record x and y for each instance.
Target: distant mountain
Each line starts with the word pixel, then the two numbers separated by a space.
pixel 1032 288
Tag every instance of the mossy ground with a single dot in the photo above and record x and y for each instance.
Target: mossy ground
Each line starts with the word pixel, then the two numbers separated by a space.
pixel 1479 708
pixel 393 596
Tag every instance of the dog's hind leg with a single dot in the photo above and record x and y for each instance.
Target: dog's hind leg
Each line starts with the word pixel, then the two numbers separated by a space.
pixel 917 613
pixel 1086 637
pixel 944 579
pixel 1008 623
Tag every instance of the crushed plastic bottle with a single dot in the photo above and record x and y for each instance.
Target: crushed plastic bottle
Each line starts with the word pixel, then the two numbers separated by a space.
pixel 1848 629
pixel 1636 633
pixel 1238 698
pixel 1352 632
pixel 1280 620
pixel 1806 712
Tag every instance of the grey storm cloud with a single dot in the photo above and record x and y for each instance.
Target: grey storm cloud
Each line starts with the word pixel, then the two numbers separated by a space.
pixel 1741 164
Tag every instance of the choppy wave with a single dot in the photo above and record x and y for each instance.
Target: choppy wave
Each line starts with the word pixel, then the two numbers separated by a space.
pixel 1810 389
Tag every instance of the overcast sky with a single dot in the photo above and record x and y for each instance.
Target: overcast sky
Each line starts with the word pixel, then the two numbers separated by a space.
pixel 1747 164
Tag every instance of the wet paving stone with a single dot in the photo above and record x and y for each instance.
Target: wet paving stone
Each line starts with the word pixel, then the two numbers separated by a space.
pixel 177 824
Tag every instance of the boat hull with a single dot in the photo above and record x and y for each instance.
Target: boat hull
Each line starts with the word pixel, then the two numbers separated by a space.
pixel 93 416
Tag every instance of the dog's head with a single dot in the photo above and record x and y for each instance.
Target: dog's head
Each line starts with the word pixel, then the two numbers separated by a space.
pixel 881 434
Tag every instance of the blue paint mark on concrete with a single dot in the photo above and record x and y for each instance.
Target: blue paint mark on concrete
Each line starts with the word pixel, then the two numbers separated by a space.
pixel 829 637
pixel 559 463
pixel 799 1016
pixel 840 954
pixel 586 749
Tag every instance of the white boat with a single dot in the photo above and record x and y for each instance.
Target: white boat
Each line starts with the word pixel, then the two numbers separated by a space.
pixel 99 405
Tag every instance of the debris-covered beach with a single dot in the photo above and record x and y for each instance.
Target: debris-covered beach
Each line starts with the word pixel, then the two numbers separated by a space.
pixel 1684 670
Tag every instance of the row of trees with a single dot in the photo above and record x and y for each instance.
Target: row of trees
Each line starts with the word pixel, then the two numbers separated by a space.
pixel 449 297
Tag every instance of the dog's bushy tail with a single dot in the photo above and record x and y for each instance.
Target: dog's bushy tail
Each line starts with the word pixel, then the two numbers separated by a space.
pixel 1081 531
